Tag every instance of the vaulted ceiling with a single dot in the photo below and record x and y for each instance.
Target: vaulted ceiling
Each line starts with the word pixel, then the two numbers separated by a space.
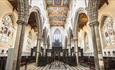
pixel 57 11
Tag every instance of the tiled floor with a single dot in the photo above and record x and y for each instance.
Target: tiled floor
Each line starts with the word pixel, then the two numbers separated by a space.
pixel 55 66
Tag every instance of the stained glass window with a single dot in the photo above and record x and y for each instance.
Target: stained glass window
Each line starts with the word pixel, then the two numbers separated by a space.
pixel 57 35
pixel 66 2
pixel 108 31
pixel 6 30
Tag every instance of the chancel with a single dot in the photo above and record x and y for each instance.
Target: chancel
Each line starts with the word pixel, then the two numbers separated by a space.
pixel 57 34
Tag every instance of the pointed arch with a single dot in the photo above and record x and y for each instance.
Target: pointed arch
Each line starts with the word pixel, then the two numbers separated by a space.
pixel 57 35
pixel 76 27
pixel 36 12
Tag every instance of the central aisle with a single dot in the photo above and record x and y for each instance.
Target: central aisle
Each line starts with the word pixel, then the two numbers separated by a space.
pixel 57 65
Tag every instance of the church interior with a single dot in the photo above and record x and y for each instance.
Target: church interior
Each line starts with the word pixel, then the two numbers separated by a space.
pixel 57 34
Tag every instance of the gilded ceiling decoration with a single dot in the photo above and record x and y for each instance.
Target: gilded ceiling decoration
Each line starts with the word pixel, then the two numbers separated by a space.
pixel 57 11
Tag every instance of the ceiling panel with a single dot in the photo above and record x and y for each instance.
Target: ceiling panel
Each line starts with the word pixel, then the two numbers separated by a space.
pixel 57 11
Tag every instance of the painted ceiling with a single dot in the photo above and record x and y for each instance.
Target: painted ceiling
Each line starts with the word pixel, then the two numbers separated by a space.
pixel 57 11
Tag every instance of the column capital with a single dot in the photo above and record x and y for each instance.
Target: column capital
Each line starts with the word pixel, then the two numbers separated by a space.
pixel 76 39
pixel 38 52
pixel 39 38
pixel 97 23
pixel 45 44
pixel 94 23
pixel 76 52
pixel 68 44
pixel 20 22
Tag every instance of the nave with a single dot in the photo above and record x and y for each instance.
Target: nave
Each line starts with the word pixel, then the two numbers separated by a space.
pixel 56 65
pixel 35 33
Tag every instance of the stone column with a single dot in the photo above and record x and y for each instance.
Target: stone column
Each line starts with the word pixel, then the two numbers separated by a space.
pixel 45 45
pixel 65 44
pixel 38 50
pixel 76 50
pixel 99 47
pixel 68 45
pixel 45 42
pixel 94 46
pixel 69 49
pixel 93 19
pixel 9 63
pixel 21 42
pixel 23 13
pixel 18 44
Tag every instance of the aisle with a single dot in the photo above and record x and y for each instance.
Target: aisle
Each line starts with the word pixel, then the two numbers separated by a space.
pixel 57 65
